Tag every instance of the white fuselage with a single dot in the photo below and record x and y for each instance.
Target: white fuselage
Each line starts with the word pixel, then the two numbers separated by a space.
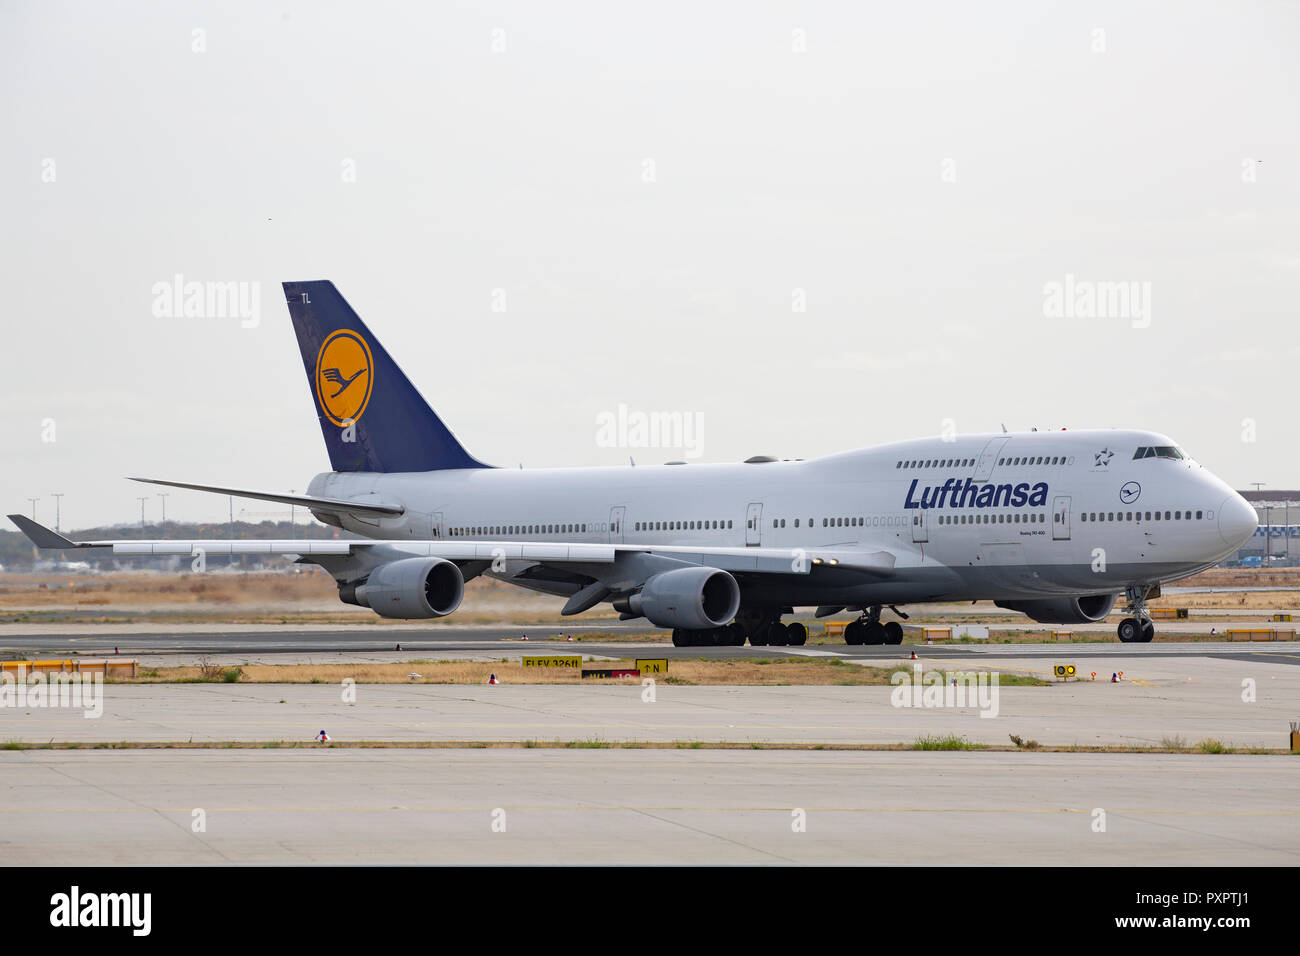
pixel 978 516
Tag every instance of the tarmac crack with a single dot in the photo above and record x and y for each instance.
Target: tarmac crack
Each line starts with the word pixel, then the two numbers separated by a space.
pixel 715 836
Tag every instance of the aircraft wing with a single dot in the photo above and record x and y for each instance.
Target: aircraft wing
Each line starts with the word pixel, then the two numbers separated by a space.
pixel 772 560
pixel 371 506
pixel 739 560
pixel 43 537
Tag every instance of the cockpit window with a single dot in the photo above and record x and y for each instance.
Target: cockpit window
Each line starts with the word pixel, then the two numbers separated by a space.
pixel 1159 451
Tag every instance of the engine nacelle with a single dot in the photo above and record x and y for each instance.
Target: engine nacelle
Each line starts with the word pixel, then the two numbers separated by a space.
pixel 692 598
pixel 410 588
pixel 1084 610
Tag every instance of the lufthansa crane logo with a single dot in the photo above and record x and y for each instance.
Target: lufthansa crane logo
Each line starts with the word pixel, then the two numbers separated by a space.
pixel 344 376
pixel 1129 492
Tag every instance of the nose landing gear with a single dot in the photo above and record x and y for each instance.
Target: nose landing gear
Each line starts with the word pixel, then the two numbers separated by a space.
pixel 1137 628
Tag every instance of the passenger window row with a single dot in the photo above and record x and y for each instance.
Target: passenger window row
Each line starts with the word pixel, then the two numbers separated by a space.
pixel 681 525
pixel 1014 517
pixel 937 463
pixel 1138 516
pixel 968 462
pixel 841 522
pixel 1032 460
pixel 478 531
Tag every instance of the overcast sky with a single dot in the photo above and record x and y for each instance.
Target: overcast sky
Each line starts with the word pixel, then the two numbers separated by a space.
pixel 810 226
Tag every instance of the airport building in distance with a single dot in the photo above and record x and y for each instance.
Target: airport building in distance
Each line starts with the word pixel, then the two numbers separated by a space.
pixel 1279 526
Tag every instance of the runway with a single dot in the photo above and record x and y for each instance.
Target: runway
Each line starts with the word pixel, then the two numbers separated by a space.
pixel 163 644
pixel 651 807
pixel 592 802
pixel 1158 699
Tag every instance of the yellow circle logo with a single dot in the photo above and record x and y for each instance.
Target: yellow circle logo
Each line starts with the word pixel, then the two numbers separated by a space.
pixel 344 376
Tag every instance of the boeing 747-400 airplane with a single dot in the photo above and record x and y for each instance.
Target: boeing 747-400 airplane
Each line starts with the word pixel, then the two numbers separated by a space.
pixel 1051 524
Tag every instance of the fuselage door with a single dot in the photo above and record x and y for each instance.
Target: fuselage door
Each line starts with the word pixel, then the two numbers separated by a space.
pixel 920 525
pixel 1061 518
pixel 754 525
pixel 435 529
pixel 616 516
pixel 988 459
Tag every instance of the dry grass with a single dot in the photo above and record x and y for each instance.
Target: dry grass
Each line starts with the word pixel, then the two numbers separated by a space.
pixel 1249 600
pixel 26 590
pixel 591 743
pixel 1244 578
pixel 740 672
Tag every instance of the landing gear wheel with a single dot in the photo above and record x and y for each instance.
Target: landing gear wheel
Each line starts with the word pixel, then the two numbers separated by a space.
pixel 777 635
pixel 798 634
pixel 679 638
pixel 874 633
pixel 759 637
pixel 853 633
pixel 735 635
pixel 893 633
pixel 1137 627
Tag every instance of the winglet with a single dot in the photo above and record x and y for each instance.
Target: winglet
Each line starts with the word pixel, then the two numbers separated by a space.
pixel 42 536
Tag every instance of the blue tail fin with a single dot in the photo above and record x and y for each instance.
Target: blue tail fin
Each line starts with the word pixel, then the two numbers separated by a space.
pixel 371 415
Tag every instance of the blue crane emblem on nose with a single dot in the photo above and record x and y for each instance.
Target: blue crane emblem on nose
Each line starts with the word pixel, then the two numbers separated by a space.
pixel 1129 492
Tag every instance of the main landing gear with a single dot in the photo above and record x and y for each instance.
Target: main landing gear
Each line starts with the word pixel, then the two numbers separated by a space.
pixel 762 630
pixel 729 635
pixel 775 634
pixel 1137 627
pixel 868 629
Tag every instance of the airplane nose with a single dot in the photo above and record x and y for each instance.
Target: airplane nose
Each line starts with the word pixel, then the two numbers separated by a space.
pixel 1237 520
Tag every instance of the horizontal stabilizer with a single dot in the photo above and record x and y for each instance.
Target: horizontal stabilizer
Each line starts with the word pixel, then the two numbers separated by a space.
pixel 40 535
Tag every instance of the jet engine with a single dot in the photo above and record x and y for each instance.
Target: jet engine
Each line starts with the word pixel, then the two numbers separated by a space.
pixel 409 588
pixel 1066 610
pixel 691 598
